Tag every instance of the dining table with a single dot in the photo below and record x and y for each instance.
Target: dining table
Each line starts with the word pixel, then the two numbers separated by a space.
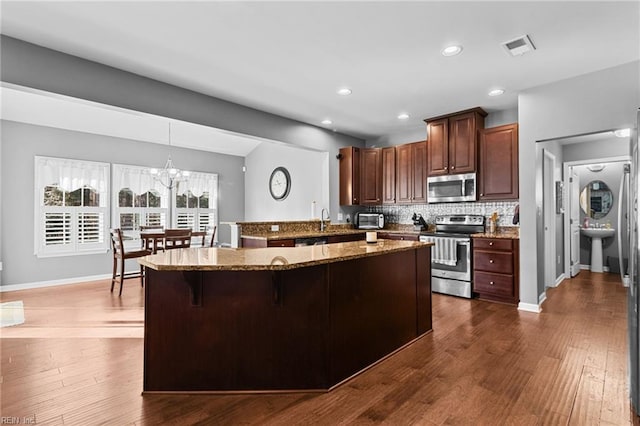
pixel 155 238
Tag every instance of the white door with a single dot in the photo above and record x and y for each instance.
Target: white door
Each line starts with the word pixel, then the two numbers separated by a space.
pixel 574 208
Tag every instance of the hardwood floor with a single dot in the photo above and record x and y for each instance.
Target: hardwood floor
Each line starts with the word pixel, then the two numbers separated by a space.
pixel 78 360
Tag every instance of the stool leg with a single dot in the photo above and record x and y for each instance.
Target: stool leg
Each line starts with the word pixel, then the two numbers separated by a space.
pixel 141 276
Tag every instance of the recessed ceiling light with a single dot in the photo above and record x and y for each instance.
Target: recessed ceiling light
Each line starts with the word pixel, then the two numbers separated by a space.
pixel 403 116
pixel 451 50
pixel 344 91
pixel 326 122
pixel 496 92
pixel 622 133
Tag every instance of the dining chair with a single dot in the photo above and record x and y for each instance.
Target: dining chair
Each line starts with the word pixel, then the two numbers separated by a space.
pixel 120 254
pixel 153 243
pixel 212 242
pixel 177 238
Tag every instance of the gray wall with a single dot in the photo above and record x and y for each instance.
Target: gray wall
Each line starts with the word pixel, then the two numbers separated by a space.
pixel 21 142
pixel 590 103
pixel 37 67
pixel 309 172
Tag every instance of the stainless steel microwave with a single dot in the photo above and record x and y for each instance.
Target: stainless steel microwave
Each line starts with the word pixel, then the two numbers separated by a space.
pixel 369 221
pixel 451 188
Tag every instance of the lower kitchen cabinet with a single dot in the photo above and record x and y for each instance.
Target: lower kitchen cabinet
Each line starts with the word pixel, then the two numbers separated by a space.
pixel 398 236
pixel 496 263
pixel 345 238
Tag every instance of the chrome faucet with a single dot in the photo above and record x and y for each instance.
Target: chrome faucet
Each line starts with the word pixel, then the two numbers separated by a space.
pixel 322 218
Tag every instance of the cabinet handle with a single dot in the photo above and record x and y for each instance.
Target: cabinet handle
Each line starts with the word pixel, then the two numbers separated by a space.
pixel 446 168
pixel 482 195
pixel 491 261
pixel 453 167
pixel 491 282
pixel 491 243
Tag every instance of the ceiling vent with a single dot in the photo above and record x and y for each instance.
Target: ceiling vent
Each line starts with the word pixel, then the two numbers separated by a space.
pixel 519 46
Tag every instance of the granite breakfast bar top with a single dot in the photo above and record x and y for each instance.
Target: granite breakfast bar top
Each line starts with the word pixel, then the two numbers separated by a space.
pixel 272 258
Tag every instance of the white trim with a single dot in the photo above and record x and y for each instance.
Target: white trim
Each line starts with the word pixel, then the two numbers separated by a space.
pixel 559 279
pixel 541 299
pixel 530 307
pixel 53 283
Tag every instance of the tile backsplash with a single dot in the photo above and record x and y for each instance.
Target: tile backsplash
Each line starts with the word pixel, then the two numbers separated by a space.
pixel 402 213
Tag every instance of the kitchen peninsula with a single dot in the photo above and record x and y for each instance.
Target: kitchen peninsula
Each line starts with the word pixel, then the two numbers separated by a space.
pixel 280 319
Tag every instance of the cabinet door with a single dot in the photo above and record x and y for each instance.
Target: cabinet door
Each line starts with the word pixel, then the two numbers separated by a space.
pixel 498 174
pixel 419 172
pixel 349 176
pixel 371 176
pixel 403 174
pixel 389 175
pixel 462 143
pixel 437 147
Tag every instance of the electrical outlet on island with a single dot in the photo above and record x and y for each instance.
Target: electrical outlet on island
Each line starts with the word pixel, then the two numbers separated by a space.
pixel 275 228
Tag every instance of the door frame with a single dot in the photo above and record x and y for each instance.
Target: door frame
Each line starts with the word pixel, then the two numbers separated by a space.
pixel 565 172
pixel 548 217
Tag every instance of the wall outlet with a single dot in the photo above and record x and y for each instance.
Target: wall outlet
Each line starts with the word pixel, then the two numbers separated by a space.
pixel 275 228
pixel 340 216
pixel 0 266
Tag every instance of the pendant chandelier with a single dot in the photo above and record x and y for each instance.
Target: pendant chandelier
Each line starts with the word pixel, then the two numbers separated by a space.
pixel 170 176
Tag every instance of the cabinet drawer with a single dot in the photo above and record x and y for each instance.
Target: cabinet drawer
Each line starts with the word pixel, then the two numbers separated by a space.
pixel 493 243
pixel 493 261
pixel 498 284
pixel 281 243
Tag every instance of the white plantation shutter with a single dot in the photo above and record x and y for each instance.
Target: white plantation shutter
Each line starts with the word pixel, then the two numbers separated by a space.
pixel 139 181
pixel 198 214
pixel 73 221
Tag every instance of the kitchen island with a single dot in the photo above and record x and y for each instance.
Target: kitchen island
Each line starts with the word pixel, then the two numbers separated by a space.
pixel 280 319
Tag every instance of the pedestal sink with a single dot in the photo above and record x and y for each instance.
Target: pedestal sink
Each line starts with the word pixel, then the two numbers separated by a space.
pixel 596 235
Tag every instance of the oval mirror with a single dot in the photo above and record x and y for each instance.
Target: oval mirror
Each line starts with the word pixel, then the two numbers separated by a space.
pixel 596 199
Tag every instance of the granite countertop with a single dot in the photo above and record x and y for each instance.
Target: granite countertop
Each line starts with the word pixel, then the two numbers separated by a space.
pixel 332 230
pixel 273 258
pixel 512 233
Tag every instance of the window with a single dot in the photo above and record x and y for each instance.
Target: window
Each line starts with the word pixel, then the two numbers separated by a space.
pixel 71 206
pixel 138 200
pixel 197 202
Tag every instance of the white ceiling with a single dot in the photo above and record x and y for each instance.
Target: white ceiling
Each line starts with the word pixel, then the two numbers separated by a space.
pixel 289 58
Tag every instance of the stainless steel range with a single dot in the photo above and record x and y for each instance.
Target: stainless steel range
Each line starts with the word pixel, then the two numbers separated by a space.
pixel 451 268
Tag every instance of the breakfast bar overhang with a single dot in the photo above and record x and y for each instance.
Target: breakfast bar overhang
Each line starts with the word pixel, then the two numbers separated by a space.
pixel 280 319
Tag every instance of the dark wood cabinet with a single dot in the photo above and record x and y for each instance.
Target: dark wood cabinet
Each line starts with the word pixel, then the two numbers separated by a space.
pixel 349 176
pixel 389 175
pixel 263 242
pixel 345 238
pixel 398 236
pixel 452 142
pixel 496 269
pixel 498 163
pixel 411 173
pixel 371 176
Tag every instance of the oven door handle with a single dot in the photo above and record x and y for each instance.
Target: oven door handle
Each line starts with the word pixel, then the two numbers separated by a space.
pixel 464 243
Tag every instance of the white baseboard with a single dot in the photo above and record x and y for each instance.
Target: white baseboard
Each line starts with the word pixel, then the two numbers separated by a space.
pixel 52 283
pixel 530 307
pixel 588 268
pixel 559 280
pixel 541 299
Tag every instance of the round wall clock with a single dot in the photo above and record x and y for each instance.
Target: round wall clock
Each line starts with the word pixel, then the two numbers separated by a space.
pixel 280 183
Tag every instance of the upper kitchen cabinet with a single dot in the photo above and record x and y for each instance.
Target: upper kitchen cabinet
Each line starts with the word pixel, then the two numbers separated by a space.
pixel 411 160
pixel 389 175
pixel 349 176
pixel 498 163
pixel 371 176
pixel 452 141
